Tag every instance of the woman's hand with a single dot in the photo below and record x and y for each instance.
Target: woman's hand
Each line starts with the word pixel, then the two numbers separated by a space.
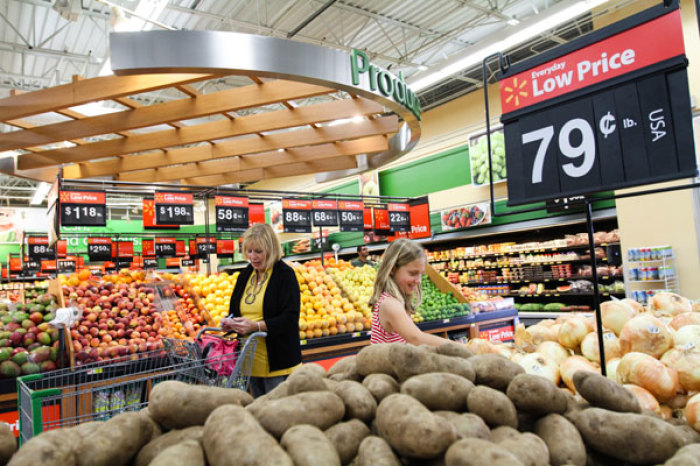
pixel 244 325
pixel 227 324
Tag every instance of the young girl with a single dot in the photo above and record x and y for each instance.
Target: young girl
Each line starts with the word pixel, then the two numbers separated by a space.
pixel 397 293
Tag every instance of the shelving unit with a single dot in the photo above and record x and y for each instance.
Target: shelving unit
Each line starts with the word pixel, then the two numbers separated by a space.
pixel 647 267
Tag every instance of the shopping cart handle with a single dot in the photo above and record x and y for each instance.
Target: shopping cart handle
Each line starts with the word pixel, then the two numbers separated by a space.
pixel 219 329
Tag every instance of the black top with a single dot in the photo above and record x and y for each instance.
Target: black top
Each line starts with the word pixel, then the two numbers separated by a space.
pixel 280 313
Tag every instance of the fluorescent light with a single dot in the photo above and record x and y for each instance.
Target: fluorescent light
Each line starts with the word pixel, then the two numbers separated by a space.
pixel 42 189
pixel 513 22
pixel 509 38
pixel 94 109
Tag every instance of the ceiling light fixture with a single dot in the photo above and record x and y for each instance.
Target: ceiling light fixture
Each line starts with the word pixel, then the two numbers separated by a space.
pixel 504 40
pixel 42 189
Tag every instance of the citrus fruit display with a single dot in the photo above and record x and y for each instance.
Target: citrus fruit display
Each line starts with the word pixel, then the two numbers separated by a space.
pixel 215 291
pixel 356 282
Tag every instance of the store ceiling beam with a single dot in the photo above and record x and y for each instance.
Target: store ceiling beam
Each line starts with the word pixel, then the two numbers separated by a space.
pixel 220 129
pixel 255 95
pixel 294 169
pixel 262 160
pixel 248 145
pixel 83 91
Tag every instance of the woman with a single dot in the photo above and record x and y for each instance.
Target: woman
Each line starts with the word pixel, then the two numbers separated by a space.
pixel 266 298
pixel 397 294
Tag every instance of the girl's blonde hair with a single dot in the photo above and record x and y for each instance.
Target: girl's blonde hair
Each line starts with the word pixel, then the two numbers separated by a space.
pixel 263 236
pixel 399 253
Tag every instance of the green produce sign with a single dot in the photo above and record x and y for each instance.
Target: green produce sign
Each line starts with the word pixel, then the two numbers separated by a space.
pixel 388 85
pixel 478 156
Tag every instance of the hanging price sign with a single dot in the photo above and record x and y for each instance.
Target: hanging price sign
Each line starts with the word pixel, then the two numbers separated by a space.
pixel 123 250
pixel 256 214
pixel 148 247
pixel 205 246
pixel 381 220
pixel 31 267
pixel 351 215
pixel 123 262
pixel 165 247
pixel 82 208
pixel 231 213
pixel 174 208
pixel 324 213
pixel 187 262
pixel 180 248
pixel 99 249
pixel 296 216
pixel 150 263
pixel 66 266
pixel 38 249
pixel 225 247
pixel 48 266
pixel 607 111
pixel 399 217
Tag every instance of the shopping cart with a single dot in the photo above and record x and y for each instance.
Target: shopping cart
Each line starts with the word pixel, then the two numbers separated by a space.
pixel 226 362
pixel 101 390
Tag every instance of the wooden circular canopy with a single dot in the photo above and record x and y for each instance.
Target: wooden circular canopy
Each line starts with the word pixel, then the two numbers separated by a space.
pixel 285 131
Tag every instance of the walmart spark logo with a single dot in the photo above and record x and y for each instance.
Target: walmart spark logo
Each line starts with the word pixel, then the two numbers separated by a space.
pixel 515 92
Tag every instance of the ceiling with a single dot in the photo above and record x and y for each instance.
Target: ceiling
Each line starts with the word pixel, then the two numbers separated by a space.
pixel 45 43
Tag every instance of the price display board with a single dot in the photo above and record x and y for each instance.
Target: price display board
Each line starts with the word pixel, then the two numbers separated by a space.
pixel 82 208
pixel 150 263
pixel 205 246
pixel 180 248
pixel 165 247
pixel 123 262
pixel 187 262
pixel 123 250
pixel 38 249
pixel 566 204
pixel 231 213
pixel 607 111
pixel 48 266
pixel 320 242
pixel 381 220
pixel 225 248
pixel 399 217
pixel 31 267
pixel 367 219
pixel 148 247
pixel 296 215
pixel 324 213
pixel 256 214
pixel 350 215
pixel 66 266
pixel 61 248
pixel 174 208
pixel 149 217
pixel 99 249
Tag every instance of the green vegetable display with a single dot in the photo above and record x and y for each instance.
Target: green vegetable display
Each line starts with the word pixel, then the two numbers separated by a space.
pixel 478 154
pixel 438 305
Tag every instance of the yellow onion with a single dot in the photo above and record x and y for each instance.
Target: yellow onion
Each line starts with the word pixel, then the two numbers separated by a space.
pixel 669 304
pixel 666 412
pixel 615 315
pixel 687 363
pixel 696 306
pixel 572 332
pixel 611 368
pixel 678 401
pixel 636 305
pixel 546 322
pixel 645 334
pixel 516 357
pixel 553 351
pixel 502 349
pixel 539 364
pixel 687 318
pixel 540 333
pixel 573 364
pixel 480 346
pixel 646 399
pixel 692 412
pixel 589 346
pixel 650 374
pixel 687 338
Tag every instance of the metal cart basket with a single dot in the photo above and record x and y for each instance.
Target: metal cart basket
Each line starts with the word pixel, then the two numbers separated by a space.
pixel 101 390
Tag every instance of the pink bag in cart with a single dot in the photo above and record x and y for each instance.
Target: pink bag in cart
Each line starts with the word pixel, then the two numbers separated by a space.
pixel 219 353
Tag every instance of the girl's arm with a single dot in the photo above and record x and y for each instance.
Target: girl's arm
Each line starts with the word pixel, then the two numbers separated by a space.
pixel 394 318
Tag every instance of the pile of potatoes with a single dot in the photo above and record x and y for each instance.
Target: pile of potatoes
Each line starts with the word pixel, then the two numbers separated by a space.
pixel 390 404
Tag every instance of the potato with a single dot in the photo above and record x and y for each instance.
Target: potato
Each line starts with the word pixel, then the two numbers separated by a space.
pixel 346 437
pixel 54 447
pixel 175 405
pixel 478 452
pixel 157 430
pixel 452 348
pixel 691 435
pixel 408 360
pixel 381 385
pixel 536 394
pixel 528 448
pixel 411 429
pixel 320 409
pixel 345 369
pixel 8 444
pixel 174 437
pixel 602 392
pixel 563 440
pixel 188 452
pixel 494 407
pixel 494 370
pixel 86 428
pixel 232 436
pixel 439 390
pixel 359 402
pixel 375 451
pixel 116 442
pixel 689 455
pixel 374 359
pixel 627 436
pixel 467 424
pixel 305 380
pixel 308 446
pixel 502 433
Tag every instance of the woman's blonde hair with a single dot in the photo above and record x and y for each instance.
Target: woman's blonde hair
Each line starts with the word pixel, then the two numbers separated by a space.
pixel 399 253
pixel 263 236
